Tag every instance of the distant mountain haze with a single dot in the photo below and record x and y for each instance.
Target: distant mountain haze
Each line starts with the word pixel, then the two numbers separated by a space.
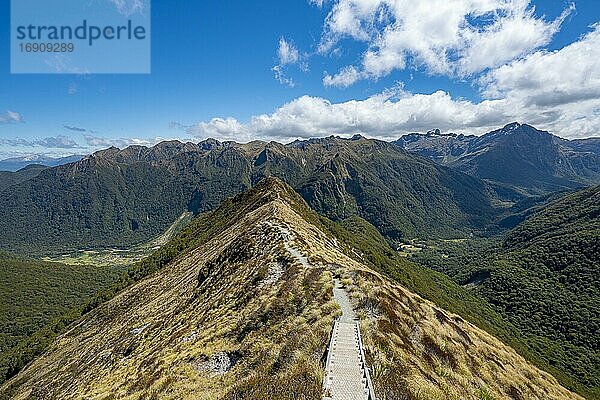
pixel 16 163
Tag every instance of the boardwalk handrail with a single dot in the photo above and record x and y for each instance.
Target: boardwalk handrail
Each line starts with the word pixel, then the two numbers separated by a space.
pixel 329 347
pixel 366 374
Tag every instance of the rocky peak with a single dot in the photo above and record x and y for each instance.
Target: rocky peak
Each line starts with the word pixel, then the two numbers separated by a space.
pixel 209 144
pixel 510 127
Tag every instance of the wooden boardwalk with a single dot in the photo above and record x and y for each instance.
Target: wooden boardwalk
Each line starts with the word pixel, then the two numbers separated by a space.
pixel 346 375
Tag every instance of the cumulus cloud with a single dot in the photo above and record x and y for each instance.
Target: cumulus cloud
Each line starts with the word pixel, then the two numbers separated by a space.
pixel 11 117
pixel 385 115
pixel 457 38
pixel 346 77
pixel 219 128
pixel 560 89
pixel 557 91
pixel 568 75
pixel 508 38
pixel 496 43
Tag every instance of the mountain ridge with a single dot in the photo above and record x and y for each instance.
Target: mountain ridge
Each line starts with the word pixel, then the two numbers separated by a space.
pixel 240 294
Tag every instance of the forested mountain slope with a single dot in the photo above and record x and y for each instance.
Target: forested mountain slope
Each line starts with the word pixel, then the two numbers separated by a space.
pixel 8 179
pixel 33 292
pixel 120 197
pixel 545 279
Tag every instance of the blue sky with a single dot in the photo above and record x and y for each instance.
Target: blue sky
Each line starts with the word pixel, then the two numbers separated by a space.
pixel 283 70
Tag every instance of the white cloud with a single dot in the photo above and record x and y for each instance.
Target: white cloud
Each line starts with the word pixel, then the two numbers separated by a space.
pixel 11 117
pixel 459 37
pixel 508 38
pixel 385 115
pixel 130 7
pixel 569 75
pixel 103 142
pixel 281 77
pixel 346 77
pixel 559 89
pixel 287 52
pixel 220 128
pixel 382 62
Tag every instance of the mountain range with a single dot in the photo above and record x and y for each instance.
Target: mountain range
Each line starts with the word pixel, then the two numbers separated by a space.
pixel 121 197
pixel 115 198
pixel 517 159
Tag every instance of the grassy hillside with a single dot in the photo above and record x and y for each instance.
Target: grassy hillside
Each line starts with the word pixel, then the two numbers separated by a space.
pixel 223 310
pixel 198 231
pixel 432 285
pixel 544 279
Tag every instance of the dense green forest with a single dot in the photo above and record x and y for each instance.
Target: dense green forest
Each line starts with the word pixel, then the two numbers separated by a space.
pixel 544 278
pixel 32 293
pixel 8 179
